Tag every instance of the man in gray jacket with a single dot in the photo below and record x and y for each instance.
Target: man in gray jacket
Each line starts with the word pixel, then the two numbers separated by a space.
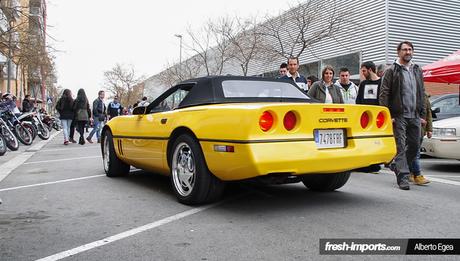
pixel 403 92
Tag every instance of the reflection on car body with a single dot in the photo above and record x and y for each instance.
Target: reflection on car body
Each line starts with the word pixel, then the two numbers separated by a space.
pixel 206 131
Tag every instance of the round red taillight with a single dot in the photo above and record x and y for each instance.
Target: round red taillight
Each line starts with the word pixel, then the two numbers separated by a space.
pixel 266 121
pixel 380 120
pixel 364 120
pixel 290 120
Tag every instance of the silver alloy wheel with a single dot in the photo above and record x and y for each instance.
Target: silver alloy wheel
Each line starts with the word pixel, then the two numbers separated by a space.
pixel 183 169
pixel 106 155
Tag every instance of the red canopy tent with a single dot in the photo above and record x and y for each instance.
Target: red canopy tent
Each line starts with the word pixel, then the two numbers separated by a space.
pixel 446 70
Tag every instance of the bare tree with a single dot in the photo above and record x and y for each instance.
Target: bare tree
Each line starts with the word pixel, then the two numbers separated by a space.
pixel 176 73
pixel 246 42
pixel 221 52
pixel 200 43
pixel 210 46
pixel 295 31
pixel 120 81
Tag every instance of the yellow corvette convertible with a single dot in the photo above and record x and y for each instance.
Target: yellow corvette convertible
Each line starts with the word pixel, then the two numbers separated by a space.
pixel 206 131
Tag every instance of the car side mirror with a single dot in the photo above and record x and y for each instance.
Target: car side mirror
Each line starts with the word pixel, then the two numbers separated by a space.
pixel 436 110
pixel 139 110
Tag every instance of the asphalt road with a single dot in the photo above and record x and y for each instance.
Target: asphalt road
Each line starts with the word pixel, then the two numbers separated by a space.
pixel 59 200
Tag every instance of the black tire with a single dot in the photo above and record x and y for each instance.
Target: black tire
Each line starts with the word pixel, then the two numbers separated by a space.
pixel 43 132
pixel 326 182
pixel 32 129
pixel 113 166
pixel 3 146
pixel 198 185
pixel 11 141
pixel 23 134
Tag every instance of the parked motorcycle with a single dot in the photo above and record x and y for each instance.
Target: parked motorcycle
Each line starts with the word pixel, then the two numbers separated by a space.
pixel 10 139
pixel 17 127
pixel 39 127
pixel 2 145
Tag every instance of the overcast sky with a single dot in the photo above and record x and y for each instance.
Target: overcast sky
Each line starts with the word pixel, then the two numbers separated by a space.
pixel 93 36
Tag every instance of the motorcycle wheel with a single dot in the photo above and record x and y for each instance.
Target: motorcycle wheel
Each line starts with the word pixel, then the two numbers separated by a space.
pixel 32 129
pixel 23 134
pixel 11 140
pixel 43 132
pixel 2 145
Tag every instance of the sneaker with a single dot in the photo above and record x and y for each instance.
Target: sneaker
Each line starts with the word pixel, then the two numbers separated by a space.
pixel 66 143
pixel 420 180
pixel 89 140
pixel 72 140
pixel 403 181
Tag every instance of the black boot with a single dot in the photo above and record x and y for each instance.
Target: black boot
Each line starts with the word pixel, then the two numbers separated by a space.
pixel 81 141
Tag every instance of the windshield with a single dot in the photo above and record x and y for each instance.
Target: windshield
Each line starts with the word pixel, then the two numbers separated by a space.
pixel 264 89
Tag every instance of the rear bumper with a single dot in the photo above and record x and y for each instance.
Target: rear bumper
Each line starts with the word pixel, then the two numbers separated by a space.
pixel 296 158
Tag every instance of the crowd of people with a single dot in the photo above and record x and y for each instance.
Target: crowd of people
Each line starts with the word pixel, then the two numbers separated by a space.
pixel 399 87
pixel 77 114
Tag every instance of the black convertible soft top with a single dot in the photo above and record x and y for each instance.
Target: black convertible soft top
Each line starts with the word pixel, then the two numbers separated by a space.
pixel 209 90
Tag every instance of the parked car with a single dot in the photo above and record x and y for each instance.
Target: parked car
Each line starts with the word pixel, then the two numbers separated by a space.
pixel 206 131
pixel 445 106
pixel 445 142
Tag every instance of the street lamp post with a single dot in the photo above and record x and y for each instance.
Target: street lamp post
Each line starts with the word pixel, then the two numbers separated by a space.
pixel 180 51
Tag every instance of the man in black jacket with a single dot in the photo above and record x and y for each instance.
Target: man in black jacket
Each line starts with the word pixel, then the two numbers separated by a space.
pixel 403 93
pixel 26 104
pixel 99 112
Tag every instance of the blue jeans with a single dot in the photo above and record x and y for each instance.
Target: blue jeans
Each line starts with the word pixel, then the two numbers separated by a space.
pixel 96 129
pixel 415 167
pixel 66 128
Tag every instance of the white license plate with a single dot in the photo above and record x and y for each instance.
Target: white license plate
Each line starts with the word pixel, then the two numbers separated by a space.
pixel 330 138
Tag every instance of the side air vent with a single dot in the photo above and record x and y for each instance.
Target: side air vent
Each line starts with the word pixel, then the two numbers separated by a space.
pixel 120 147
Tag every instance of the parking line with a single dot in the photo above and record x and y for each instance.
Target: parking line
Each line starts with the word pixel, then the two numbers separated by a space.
pixel 71 148
pixel 432 178
pixel 445 181
pixel 51 182
pixel 8 167
pixel 57 160
pixel 130 232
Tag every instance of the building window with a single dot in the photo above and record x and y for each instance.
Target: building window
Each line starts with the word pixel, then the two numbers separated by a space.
pixel 309 69
pixel 350 61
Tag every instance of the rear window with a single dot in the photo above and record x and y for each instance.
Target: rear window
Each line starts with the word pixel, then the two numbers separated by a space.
pixel 262 89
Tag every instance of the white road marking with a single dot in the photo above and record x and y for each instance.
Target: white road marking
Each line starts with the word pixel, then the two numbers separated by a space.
pixel 8 167
pixel 71 148
pixel 440 161
pixel 445 181
pixel 42 143
pixel 431 178
pixel 57 160
pixel 128 233
pixel 49 183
